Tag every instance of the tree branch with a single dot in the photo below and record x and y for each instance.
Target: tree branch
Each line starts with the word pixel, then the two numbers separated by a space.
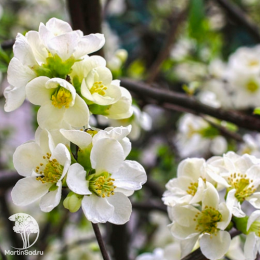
pixel 161 96
pixel 149 206
pixel 235 13
pixel 100 241
pixel 166 48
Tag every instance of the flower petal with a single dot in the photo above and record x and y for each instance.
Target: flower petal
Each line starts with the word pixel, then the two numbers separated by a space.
pixel 57 26
pixel 97 209
pixel 76 179
pixel 216 246
pixel 130 176
pixel 122 208
pixel 26 157
pixel 51 199
pixel 211 197
pixel 80 138
pixel 50 122
pixel 64 45
pixel 19 75
pixel 107 155
pixel 39 50
pixel 89 44
pixel 23 51
pixel 77 115
pixel 28 190
pixel 14 98
pixel 250 247
pixel 62 155
pixel 191 168
pixel 36 91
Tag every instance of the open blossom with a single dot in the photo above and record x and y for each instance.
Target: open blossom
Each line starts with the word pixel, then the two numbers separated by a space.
pixel 59 102
pixel 251 145
pixel 243 76
pixel 50 52
pixel 241 174
pixel 108 184
pixel 44 166
pixel 208 224
pixel 193 176
pixel 98 87
pixel 196 137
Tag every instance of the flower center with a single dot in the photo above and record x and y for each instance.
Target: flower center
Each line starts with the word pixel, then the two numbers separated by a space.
pixel 255 227
pixel 98 88
pixel 253 63
pixel 102 184
pixel 207 220
pixel 192 189
pixel 50 172
pixel 61 97
pixel 252 86
pixel 241 183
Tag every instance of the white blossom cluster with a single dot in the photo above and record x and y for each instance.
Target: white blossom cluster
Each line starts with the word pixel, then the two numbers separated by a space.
pixel 52 69
pixel 198 211
pixel 236 83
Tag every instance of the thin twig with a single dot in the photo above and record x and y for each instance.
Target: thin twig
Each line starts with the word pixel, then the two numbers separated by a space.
pixel 100 241
pixel 149 206
pixel 235 13
pixel 224 131
pixel 161 96
pixel 166 48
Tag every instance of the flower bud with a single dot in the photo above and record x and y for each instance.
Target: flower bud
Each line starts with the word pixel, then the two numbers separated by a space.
pixel 72 202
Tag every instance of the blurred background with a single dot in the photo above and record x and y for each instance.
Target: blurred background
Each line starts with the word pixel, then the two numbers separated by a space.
pixel 206 50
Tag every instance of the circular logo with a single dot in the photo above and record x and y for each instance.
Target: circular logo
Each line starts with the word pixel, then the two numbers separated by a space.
pixel 25 225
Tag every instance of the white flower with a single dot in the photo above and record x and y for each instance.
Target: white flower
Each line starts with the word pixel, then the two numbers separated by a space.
pixel 192 179
pixel 59 102
pixel 217 69
pixel 246 86
pixel 109 183
pixel 252 244
pixel 51 52
pixel 245 59
pixel 44 167
pixel 98 87
pixel 208 223
pixel 242 75
pixel 123 107
pixel 197 137
pixel 242 174
pixel 171 252
pixel 251 145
